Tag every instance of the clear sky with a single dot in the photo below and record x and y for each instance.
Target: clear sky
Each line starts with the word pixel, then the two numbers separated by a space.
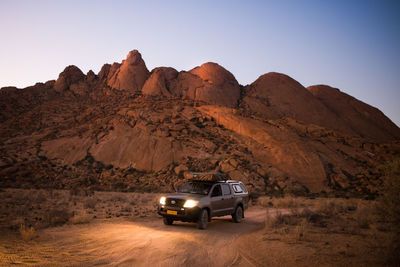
pixel 351 45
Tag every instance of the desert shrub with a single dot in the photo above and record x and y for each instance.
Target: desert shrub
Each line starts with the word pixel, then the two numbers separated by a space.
pixel 27 233
pixel 41 196
pixel 286 202
pixel 280 220
pixel 117 197
pixel 126 209
pixel 264 201
pixel 389 206
pixel 363 217
pixel 77 191
pixel 330 207
pixel 80 219
pixel 90 203
pixel 58 216
pixel 390 196
pixel 297 191
pixel 253 196
pixel 301 230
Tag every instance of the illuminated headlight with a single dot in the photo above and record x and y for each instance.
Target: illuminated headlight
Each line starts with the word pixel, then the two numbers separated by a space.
pixel 190 203
pixel 163 200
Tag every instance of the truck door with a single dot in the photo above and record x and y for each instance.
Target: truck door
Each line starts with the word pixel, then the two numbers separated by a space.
pixel 228 200
pixel 216 201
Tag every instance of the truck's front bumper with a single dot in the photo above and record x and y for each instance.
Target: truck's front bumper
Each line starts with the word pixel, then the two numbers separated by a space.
pixel 182 214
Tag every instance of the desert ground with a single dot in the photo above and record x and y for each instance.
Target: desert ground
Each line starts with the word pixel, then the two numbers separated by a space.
pixel 80 228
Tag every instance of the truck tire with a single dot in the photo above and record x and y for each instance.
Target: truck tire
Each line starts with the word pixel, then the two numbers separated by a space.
pixel 203 219
pixel 237 216
pixel 168 221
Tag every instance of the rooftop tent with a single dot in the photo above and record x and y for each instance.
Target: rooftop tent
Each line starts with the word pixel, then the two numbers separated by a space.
pixel 210 176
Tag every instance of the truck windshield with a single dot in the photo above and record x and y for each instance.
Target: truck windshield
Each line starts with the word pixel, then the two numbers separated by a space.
pixel 196 188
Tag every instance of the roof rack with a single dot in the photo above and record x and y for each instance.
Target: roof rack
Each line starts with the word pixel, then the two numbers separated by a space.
pixel 231 181
pixel 210 176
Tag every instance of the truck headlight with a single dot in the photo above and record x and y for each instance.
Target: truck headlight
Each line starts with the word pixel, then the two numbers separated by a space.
pixel 163 200
pixel 190 203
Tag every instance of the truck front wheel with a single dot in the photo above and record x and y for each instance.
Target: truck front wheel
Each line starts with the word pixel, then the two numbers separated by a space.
pixel 168 221
pixel 203 219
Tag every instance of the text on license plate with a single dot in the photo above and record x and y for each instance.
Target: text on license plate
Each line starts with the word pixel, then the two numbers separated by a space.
pixel 172 212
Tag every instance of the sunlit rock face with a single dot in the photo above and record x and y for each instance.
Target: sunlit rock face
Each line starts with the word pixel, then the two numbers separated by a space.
pixel 130 75
pixel 159 82
pixel 220 86
pixel 128 127
pixel 209 83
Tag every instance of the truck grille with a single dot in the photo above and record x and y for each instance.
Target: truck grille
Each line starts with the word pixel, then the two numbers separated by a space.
pixel 174 202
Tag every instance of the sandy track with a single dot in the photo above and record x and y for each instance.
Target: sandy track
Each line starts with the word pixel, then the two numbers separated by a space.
pixel 144 242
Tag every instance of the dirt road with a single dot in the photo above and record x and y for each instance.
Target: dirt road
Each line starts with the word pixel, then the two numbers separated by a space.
pixel 140 242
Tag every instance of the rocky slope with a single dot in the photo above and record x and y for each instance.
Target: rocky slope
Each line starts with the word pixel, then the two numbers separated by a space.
pixel 130 129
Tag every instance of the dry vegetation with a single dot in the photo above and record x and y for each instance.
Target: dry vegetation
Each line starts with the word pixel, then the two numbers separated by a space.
pixel 27 233
pixel 355 231
pixel 389 207
pixel 48 208
pixel 297 230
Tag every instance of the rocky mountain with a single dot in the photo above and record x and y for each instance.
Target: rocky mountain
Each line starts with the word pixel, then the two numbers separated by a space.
pixel 133 130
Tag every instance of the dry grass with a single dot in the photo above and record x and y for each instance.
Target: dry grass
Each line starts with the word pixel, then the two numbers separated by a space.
pixel 389 207
pixel 285 202
pixel 363 216
pixel 389 202
pixel 301 230
pixel 48 208
pixel 57 216
pixel 27 233
pixel 90 203
pixel 80 219
pixel 369 222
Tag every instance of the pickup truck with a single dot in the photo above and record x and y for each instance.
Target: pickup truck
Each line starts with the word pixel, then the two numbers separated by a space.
pixel 200 200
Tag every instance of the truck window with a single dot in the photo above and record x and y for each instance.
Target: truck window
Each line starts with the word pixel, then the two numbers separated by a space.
pixel 216 191
pixel 243 187
pixel 237 188
pixel 225 189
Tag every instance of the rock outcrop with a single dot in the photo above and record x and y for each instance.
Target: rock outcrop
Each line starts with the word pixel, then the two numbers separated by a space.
pixel 276 96
pixel 130 75
pixel 363 119
pixel 159 82
pixel 70 75
pixel 209 83
pixel 219 85
pixel 128 129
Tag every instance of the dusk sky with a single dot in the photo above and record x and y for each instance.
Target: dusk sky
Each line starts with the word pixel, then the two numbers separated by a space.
pixel 351 45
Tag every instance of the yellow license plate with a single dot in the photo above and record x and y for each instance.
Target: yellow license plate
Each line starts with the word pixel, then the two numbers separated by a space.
pixel 172 212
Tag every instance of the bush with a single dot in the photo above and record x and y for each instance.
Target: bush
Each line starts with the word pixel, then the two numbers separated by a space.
pixel 57 217
pixel 389 206
pixel 284 202
pixel 280 220
pixel 26 233
pixel 330 208
pixel 390 192
pixel 90 203
pixel 80 219
pixel 363 217
pixel 301 230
